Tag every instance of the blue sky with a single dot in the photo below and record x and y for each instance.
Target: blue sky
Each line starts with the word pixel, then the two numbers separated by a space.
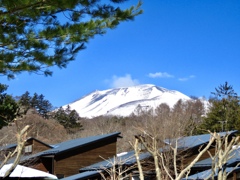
pixel 186 45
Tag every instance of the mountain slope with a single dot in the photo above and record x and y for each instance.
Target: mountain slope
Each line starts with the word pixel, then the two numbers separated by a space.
pixel 124 101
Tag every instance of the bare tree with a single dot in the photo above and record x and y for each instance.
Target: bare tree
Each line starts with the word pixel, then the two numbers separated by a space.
pixel 21 139
pixel 117 170
pixel 223 152
pixel 137 152
pixel 40 128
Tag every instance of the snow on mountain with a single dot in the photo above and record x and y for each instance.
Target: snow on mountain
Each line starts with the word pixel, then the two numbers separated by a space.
pixel 124 101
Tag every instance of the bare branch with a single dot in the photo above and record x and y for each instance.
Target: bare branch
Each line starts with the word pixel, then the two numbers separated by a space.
pixel 21 138
pixel 137 151
pixel 185 170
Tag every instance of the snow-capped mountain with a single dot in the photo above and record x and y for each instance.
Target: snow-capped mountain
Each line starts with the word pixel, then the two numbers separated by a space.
pixel 124 101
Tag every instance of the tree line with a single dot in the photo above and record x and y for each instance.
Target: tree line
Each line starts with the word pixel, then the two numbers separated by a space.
pixel 13 108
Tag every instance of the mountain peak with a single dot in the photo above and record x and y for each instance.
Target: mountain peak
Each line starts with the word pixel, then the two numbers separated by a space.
pixel 124 101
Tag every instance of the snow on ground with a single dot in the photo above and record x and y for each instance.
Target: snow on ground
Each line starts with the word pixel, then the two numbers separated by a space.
pixel 25 172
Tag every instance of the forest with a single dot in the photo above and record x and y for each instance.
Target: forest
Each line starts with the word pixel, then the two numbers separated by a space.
pixel 55 125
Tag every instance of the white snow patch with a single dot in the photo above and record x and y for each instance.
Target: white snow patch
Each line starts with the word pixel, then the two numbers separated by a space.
pixel 24 172
pixel 121 154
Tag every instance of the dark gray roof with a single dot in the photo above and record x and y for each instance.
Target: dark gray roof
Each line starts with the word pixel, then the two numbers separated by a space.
pixel 32 138
pixel 235 158
pixel 76 143
pixel 206 174
pixel 9 146
pixel 82 176
pixel 195 141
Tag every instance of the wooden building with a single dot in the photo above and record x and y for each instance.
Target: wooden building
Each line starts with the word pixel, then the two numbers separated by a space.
pixel 32 146
pixel 125 163
pixel 188 148
pixel 66 158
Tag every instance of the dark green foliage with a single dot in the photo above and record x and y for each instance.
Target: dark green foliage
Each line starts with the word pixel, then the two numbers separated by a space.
pixel 35 35
pixel 223 114
pixel 25 102
pixel 225 91
pixel 42 105
pixel 8 107
pixel 36 102
pixel 68 118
